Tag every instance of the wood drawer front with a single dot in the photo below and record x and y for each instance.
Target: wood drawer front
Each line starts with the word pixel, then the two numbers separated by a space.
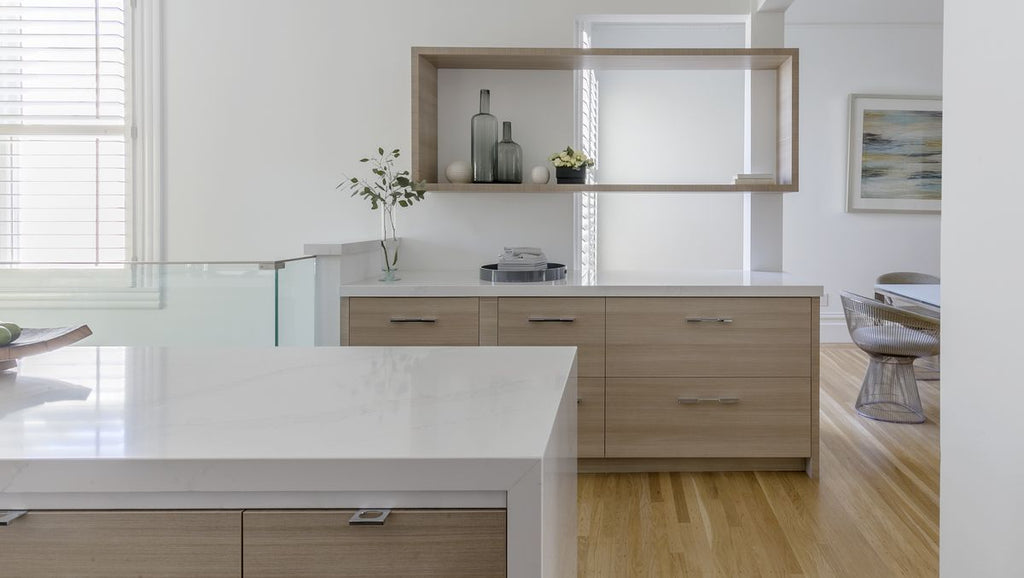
pixel 590 417
pixel 771 418
pixel 765 337
pixel 400 321
pixel 112 544
pixel 320 543
pixel 585 330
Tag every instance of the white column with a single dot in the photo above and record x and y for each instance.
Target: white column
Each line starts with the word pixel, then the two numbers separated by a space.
pixel 762 213
pixel 338 263
pixel 982 433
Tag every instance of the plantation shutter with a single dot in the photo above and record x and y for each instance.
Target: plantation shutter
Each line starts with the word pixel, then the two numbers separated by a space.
pixel 63 131
pixel 589 146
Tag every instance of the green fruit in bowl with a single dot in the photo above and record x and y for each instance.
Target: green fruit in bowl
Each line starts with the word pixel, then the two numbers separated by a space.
pixel 13 328
pixel 5 336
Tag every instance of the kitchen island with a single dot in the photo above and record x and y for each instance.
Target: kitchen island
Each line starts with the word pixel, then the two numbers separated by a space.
pixel 678 370
pixel 223 461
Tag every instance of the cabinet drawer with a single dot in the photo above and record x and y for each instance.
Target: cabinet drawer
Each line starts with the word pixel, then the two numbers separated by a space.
pixel 590 417
pixel 709 337
pixel 682 418
pixel 86 544
pixel 321 543
pixel 414 321
pixel 556 321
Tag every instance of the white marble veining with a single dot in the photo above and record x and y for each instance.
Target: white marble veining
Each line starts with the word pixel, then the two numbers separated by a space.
pixel 352 427
pixel 272 420
pixel 711 283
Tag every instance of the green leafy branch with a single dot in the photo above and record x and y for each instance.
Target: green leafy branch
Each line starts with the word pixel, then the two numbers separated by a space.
pixel 387 189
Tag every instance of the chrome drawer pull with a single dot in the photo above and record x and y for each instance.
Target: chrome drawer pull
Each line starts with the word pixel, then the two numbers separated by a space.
pixel 414 319
pixel 709 320
pixel 369 517
pixel 539 319
pixel 11 515
pixel 696 400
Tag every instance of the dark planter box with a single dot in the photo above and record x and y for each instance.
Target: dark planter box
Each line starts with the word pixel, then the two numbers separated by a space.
pixel 568 176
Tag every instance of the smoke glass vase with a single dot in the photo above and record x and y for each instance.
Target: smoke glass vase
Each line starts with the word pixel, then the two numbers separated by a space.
pixel 510 157
pixel 484 141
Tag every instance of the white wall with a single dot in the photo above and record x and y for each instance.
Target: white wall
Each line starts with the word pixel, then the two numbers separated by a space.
pixel 269 103
pixel 669 127
pixel 982 504
pixel 846 251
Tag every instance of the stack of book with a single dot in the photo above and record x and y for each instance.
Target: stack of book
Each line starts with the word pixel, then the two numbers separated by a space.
pixel 754 179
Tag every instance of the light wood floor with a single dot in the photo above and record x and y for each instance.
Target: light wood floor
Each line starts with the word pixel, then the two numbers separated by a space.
pixel 874 512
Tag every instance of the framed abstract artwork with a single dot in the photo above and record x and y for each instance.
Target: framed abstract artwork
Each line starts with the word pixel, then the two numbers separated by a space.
pixel 895 154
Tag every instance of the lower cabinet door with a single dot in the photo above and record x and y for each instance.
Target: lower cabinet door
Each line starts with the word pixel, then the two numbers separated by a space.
pixel 590 417
pixel 115 544
pixel 322 543
pixel 708 418
pixel 575 321
pixel 413 321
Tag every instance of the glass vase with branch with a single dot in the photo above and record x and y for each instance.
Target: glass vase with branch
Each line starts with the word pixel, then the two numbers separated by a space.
pixel 387 190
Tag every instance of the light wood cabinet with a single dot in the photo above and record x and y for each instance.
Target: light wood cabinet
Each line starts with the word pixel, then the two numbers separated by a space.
pixel 653 369
pixel 590 416
pixel 708 337
pixel 413 321
pixel 708 418
pixel 575 321
pixel 115 544
pixel 321 543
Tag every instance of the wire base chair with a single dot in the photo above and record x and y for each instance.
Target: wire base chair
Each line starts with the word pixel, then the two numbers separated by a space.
pixel 889 391
pixel 893 338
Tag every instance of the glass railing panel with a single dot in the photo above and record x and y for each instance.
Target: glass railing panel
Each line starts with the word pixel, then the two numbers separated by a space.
pixel 296 302
pixel 196 304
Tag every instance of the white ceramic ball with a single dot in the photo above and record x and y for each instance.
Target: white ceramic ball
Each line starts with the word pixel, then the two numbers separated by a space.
pixel 540 175
pixel 459 172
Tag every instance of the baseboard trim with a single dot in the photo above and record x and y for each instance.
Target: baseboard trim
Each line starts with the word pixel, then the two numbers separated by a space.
pixel 630 465
pixel 833 328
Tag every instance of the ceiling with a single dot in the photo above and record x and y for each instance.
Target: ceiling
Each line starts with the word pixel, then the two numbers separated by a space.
pixel 865 12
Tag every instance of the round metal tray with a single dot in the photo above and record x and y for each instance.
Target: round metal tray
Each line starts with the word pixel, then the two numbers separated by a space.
pixel 554 272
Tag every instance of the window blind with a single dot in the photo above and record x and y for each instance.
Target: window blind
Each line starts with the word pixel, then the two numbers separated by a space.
pixel 63 131
pixel 589 109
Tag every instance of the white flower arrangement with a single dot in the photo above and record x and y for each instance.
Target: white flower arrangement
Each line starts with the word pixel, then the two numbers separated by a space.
pixel 569 158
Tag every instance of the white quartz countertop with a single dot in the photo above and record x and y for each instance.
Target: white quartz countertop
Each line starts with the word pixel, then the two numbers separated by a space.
pixel 716 283
pixel 112 420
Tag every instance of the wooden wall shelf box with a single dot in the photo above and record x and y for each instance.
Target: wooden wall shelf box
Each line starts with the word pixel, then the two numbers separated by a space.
pixel 427 60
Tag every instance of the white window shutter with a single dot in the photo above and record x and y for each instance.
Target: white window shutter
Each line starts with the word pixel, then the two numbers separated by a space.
pixel 589 109
pixel 64 142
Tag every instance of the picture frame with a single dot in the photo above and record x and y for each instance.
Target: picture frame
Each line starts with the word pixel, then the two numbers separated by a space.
pixel 895 154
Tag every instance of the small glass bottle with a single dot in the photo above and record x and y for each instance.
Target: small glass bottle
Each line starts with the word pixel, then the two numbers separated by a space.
pixel 510 157
pixel 484 137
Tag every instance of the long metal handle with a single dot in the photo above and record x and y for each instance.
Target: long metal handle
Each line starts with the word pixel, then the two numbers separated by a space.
pixel 539 319
pixel 709 320
pixel 369 517
pixel 398 319
pixel 696 400
pixel 11 515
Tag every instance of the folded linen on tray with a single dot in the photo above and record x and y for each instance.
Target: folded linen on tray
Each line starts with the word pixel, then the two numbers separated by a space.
pixel 522 259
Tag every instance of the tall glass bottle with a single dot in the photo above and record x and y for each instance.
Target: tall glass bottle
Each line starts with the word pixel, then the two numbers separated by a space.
pixel 484 139
pixel 510 157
